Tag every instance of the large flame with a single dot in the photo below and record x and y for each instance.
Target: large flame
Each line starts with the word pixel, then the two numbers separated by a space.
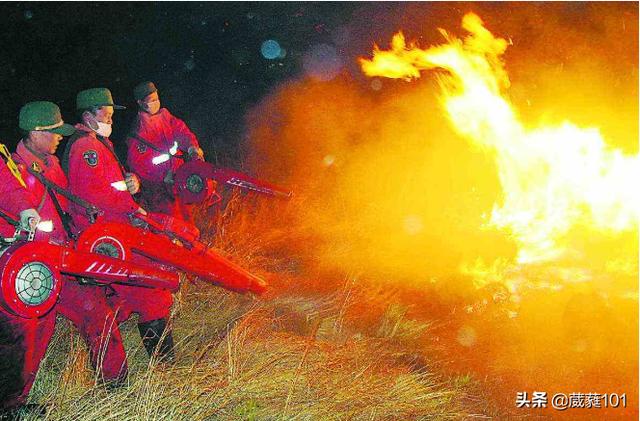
pixel 440 192
pixel 554 178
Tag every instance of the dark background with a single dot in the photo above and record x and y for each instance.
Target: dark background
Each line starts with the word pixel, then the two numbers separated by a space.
pixel 204 57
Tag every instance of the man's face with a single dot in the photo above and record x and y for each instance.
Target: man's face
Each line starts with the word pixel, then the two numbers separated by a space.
pixel 104 114
pixel 44 142
pixel 150 103
pixel 153 96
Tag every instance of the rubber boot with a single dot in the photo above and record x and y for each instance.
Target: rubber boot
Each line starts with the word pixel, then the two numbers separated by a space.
pixel 151 332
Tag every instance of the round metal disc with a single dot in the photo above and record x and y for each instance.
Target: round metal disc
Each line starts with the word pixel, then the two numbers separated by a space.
pixel 34 283
pixel 195 183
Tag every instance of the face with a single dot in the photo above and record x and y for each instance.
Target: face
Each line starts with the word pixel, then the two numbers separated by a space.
pixel 151 103
pixel 43 142
pixel 105 114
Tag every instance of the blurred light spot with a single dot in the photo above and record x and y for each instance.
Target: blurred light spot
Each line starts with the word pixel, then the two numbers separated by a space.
pixel 190 64
pixel 376 84
pixel 413 224
pixel 467 336
pixel 322 62
pixel 28 14
pixel 270 49
pixel 329 160
pixel 283 53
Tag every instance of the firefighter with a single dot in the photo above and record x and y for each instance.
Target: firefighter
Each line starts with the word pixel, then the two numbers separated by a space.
pixel 85 305
pixel 96 175
pixel 23 342
pixel 155 134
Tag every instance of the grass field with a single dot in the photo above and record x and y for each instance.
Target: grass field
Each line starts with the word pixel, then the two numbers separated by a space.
pixel 289 358
pixel 312 349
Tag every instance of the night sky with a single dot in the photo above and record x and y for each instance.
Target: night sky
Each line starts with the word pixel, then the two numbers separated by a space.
pixel 207 62
pixel 205 58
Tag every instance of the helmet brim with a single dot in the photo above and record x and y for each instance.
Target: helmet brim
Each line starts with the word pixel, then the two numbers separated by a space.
pixel 64 130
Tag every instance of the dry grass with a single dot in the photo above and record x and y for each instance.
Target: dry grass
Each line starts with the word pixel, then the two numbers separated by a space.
pixel 302 353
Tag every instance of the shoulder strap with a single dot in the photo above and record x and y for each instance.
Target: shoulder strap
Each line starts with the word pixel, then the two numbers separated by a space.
pixel 154 147
pixel 67 151
pixel 113 153
pixel 91 210
pixel 146 142
pixel 64 216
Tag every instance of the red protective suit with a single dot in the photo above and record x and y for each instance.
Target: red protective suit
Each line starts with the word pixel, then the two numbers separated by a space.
pixel 92 167
pixel 36 193
pixel 86 306
pixel 23 344
pixel 160 130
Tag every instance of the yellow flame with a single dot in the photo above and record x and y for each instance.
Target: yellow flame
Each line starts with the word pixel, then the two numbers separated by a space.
pixel 553 178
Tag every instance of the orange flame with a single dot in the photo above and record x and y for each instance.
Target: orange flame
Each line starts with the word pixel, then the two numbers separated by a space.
pixel 554 178
pixel 446 199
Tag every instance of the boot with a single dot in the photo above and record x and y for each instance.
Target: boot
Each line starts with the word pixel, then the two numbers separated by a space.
pixel 151 332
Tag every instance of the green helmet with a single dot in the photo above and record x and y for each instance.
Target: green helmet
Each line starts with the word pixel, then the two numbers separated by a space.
pixel 43 116
pixel 143 89
pixel 95 97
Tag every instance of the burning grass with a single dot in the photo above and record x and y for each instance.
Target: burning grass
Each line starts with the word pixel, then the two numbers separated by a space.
pixel 303 353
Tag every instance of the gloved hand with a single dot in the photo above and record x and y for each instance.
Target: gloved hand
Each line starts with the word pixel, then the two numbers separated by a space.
pixel 168 177
pixel 133 182
pixel 195 153
pixel 29 219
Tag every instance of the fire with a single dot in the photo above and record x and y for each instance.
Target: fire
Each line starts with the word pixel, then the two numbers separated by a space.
pixel 515 229
pixel 554 179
